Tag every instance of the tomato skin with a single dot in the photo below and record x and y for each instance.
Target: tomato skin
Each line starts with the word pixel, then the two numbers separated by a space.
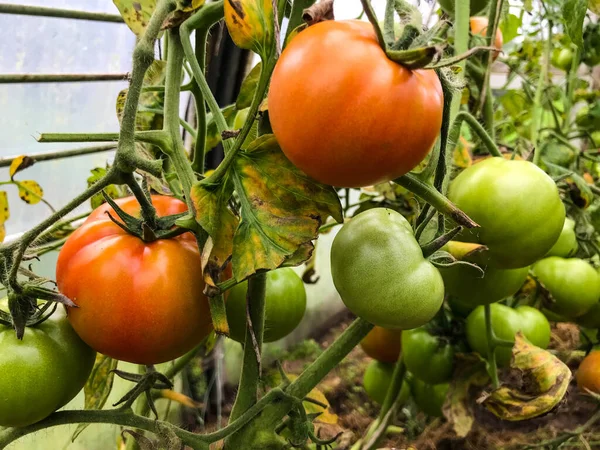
pixel 573 283
pixel 133 295
pixel 429 398
pixel 497 194
pixel 506 322
pixel 471 289
pixel 479 26
pixel 476 6
pixel 285 304
pixel 377 380
pixel 562 59
pixel 42 372
pixel 344 113
pixel 591 318
pixel 588 373
pixel 566 245
pixel 428 357
pixel 377 249
pixel 382 344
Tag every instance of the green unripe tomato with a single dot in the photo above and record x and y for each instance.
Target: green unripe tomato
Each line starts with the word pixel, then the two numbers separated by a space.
pixel 562 59
pixel 573 283
pixel 459 307
pixel 429 398
pixel 558 154
pixel 591 319
pixel 285 304
pixel 428 357
pixel 379 271
pixel 377 380
pixel 566 245
pixel 506 323
pixel 517 206
pixel 240 118
pixel 467 285
pixel 42 372
pixel 476 6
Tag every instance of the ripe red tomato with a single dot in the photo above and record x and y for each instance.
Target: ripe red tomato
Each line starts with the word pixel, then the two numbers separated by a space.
pixel 479 26
pixel 588 374
pixel 382 344
pixel 344 113
pixel 140 302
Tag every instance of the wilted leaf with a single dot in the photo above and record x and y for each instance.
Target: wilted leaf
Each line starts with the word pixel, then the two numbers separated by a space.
pixel 545 383
pixel 180 398
pixel 458 408
pixel 250 24
pixel 244 98
pixel 98 386
pixel 461 156
pixel 281 208
pixel 30 191
pixel 326 414
pixel 4 211
pixel 215 217
pixel 18 164
pixel 136 13
pixel 2 232
pixel 463 250
pixel 573 13
pixel 143 442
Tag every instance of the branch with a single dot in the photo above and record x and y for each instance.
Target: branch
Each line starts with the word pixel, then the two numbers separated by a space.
pixel 60 77
pixel 50 156
pixel 62 13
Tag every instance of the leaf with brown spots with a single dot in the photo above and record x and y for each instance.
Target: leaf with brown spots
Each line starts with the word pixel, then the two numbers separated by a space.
pixel 30 191
pixel 18 164
pixel 281 209
pixel 545 382
pixel 136 13
pixel 250 24
pixel 4 211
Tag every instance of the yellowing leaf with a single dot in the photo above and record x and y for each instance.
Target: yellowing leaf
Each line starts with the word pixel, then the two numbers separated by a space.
pixel 2 232
pixel 250 24
pixel 4 211
pixel 281 208
pixel 545 382
pixel 461 157
pixel 136 13
pixel 19 163
pixel 98 386
pixel 190 5
pixel 327 415
pixel 30 191
pixel 179 398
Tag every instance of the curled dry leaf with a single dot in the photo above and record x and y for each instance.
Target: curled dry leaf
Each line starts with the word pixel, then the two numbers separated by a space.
pixel 318 12
pixel 545 382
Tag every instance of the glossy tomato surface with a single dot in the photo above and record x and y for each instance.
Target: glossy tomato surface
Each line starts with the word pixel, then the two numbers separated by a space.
pixel 382 344
pixel 588 373
pixel 140 302
pixel 344 113
pixel 428 357
pixel 42 372
pixel 377 379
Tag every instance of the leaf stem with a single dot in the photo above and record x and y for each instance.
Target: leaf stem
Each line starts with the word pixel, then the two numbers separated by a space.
pixel 538 110
pixel 465 116
pixel 366 4
pixel 62 13
pixel 491 348
pixel 462 13
pixel 50 156
pixel 60 77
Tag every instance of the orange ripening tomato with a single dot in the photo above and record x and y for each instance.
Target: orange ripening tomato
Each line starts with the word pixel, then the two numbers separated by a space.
pixel 588 374
pixel 347 115
pixel 382 344
pixel 479 26
pixel 140 302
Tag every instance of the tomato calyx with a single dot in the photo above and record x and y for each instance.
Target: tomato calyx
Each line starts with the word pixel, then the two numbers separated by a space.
pixel 164 227
pixel 144 385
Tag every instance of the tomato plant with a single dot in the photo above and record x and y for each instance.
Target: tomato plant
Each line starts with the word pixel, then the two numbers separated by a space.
pixel 496 194
pixel 285 306
pixel 479 26
pixel 382 344
pixel 143 283
pixel 476 6
pixel 42 372
pixel 334 134
pixel 574 285
pixel 386 254
pixel 428 357
pixel 506 322
pixel 377 380
pixel 566 245
pixel 429 398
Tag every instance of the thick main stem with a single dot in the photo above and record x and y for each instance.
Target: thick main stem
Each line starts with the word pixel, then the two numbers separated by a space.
pixel 538 110
pixel 198 160
pixel 248 388
pixel 462 12
pixel 50 156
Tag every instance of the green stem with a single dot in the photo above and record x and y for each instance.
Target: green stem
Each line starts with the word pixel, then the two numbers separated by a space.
pixel 465 116
pixel 462 11
pixel 261 89
pixel 147 208
pixel 301 387
pixel 155 137
pixel 295 21
pixel 62 13
pixel 572 78
pixel 538 110
pixel 394 388
pixel 57 226
pixel 60 77
pixel 491 348
pixel 199 157
pixel 435 198
pixel 206 16
pixel 366 4
pixel 50 156
pixel 248 388
pixel 176 150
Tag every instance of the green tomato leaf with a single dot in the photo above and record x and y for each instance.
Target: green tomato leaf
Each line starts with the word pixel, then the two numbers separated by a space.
pixel 113 191
pixel 281 208
pixel 98 387
pixel 248 87
pixel 545 382
pixel 573 13
pixel 510 27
